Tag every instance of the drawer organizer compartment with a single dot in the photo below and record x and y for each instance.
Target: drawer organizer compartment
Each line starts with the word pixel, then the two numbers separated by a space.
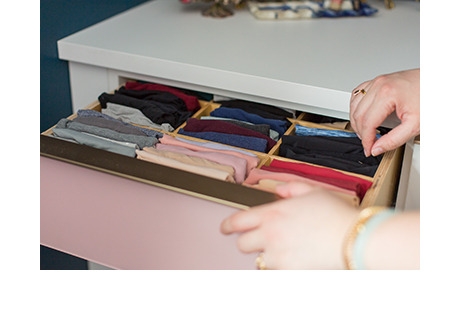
pixel 252 188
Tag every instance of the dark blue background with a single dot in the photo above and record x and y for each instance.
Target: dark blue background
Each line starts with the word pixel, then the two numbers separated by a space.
pixel 58 19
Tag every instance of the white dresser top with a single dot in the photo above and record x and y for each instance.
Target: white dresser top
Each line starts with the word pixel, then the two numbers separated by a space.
pixel 314 62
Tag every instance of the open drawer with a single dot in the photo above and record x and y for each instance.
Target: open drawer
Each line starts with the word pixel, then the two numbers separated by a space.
pixel 382 191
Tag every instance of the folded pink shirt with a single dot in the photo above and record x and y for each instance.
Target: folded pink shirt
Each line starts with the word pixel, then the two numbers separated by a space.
pixel 252 160
pixel 238 163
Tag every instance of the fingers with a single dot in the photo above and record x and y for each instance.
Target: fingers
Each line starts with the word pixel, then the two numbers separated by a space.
pixel 357 106
pixel 243 220
pixel 251 241
pixel 293 189
pixel 395 138
pixel 372 119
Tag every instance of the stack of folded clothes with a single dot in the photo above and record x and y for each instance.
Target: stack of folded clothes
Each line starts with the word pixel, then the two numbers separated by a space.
pixel 242 124
pixel 205 158
pixel 101 131
pixel 331 148
pixel 164 107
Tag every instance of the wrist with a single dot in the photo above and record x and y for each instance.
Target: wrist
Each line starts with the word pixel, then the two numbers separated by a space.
pixel 358 234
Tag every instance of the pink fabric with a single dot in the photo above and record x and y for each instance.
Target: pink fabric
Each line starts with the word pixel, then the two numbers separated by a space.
pixel 239 164
pixel 191 102
pixel 359 185
pixel 252 161
pixel 258 174
pixel 205 171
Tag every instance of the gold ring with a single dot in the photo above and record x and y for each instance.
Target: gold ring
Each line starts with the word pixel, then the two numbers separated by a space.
pixel 356 92
pixel 260 263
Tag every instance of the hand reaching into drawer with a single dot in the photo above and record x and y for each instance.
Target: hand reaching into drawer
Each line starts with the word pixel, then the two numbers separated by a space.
pixel 313 229
pixel 372 101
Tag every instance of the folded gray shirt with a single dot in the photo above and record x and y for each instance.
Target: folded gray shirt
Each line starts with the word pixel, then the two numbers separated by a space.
pixel 90 140
pixel 133 115
pixel 141 141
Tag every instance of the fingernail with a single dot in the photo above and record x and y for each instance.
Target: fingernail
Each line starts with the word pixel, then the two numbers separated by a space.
pixel 366 153
pixel 377 151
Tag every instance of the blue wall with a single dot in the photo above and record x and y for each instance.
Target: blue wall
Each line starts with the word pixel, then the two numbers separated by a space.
pixel 58 19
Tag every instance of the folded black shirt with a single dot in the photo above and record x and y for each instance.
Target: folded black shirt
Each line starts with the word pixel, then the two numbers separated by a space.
pixel 159 106
pixel 345 154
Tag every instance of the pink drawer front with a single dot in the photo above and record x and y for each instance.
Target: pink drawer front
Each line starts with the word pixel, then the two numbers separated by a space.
pixel 126 224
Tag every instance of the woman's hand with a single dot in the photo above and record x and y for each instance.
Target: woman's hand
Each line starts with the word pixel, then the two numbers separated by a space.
pixel 305 231
pixel 399 92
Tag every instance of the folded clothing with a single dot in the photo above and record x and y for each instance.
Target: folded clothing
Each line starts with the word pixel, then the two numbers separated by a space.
pixel 141 141
pixel 250 143
pixel 252 160
pixel 108 124
pixel 192 160
pixel 303 130
pixel 262 128
pixel 279 126
pixel 258 174
pixel 204 171
pixel 216 146
pixel 343 153
pixel 262 110
pixel 191 102
pixel 93 113
pixel 133 115
pixel 93 141
pixel 159 106
pixel 197 125
pixel 237 163
pixel 332 176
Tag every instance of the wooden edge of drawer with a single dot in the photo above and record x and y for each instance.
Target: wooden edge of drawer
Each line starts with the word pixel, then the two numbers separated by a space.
pixel 386 179
pixel 230 194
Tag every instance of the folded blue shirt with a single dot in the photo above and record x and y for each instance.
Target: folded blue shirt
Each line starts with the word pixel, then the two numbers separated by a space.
pixel 303 130
pixel 279 126
pixel 250 143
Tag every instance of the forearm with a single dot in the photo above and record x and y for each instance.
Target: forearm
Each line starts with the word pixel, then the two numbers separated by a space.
pixel 395 244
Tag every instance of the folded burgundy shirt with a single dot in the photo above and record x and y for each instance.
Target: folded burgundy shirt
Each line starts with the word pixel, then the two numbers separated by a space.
pixel 191 102
pixel 197 125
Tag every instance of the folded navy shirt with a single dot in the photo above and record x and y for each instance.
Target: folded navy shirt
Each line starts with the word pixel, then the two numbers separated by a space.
pixel 250 143
pixel 263 110
pixel 197 125
pixel 279 126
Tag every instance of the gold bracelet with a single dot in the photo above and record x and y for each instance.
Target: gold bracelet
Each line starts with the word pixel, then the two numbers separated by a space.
pixel 357 227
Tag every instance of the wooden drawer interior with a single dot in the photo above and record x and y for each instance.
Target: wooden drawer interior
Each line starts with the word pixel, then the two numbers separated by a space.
pixel 382 192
